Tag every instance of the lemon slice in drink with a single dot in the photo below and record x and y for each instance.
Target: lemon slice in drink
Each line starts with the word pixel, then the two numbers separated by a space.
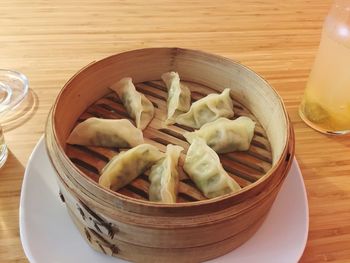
pixel 315 112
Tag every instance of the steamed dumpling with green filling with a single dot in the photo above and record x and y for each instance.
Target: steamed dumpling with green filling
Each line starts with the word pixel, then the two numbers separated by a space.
pixel 126 166
pixel 203 166
pixel 164 176
pixel 179 96
pixel 137 105
pixel 107 133
pixel 207 109
pixel 224 135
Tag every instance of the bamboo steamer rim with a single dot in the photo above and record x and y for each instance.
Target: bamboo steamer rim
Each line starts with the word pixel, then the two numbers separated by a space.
pixel 51 129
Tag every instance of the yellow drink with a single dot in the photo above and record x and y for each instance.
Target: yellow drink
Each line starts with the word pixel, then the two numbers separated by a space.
pixel 326 102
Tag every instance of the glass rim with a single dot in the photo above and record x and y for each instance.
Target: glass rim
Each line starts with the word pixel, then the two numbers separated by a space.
pixel 7 75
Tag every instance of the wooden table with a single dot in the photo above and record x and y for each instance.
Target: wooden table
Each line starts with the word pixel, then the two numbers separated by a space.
pixel 51 40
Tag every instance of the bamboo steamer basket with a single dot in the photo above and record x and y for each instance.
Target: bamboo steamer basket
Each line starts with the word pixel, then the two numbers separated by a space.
pixel 124 224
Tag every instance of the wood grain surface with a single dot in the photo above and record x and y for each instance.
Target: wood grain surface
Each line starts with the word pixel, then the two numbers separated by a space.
pixel 51 40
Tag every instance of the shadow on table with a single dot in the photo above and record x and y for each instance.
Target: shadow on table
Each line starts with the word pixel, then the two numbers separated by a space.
pixel 11 174
pixel 17 116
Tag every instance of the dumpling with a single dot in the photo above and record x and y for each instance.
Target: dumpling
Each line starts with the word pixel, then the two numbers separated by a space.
pixel 164 176
pixel 126 166
pixel 137 105
pixel 224 135
pixel 179 96
pixel 107 133
pixel 203 166
pixel 207 109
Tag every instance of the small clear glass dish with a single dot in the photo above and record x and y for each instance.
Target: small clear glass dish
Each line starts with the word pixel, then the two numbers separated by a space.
pixel 13 89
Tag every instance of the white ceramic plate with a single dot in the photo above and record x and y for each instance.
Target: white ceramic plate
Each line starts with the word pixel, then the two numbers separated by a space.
pixel 48 235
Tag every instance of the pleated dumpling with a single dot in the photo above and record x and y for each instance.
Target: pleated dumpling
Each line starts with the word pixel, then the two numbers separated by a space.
pixel 126 166
pixel 179 96
pixel 137 105
pixel 164 176
pixel 207 109
pixel 224 135
pixel 107 133
pixel 203 166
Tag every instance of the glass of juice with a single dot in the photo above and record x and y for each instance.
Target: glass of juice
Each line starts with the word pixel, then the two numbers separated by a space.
pixel 326 102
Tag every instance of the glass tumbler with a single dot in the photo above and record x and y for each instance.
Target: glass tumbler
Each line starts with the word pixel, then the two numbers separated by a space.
pixel 3 148
pixel 13 89
pixel 326 102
